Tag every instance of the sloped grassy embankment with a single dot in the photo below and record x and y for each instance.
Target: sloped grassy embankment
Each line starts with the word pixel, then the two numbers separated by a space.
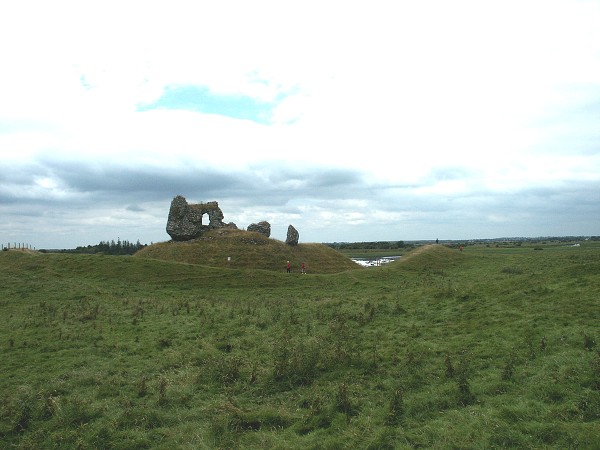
pixel 489 348
pixel 243 249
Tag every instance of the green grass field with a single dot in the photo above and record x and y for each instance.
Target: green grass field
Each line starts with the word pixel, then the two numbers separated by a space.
pixel 488 348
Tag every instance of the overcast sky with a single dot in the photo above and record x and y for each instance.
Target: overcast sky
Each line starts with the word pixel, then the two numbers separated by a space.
pixel 352 121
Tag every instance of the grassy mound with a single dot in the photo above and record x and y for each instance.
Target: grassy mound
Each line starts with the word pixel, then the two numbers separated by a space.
pixel 240 249
pixel 429 257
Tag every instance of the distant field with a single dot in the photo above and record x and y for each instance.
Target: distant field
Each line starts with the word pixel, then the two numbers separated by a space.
pixel 494 347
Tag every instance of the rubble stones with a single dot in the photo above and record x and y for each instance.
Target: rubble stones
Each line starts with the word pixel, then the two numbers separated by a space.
pixel 292 236
pixel 261 227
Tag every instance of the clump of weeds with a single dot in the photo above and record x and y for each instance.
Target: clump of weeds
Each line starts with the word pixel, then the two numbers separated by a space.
pixel 342 402
pixel 142 387
pixel 589 342
pixel 449 366
pixel 163 383
pixel 509 369
pixel 465 396
pixel 395 411
pixel 596 371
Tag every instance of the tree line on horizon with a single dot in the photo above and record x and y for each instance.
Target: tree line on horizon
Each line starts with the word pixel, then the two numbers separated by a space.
pixel 374 245
pixel 109 248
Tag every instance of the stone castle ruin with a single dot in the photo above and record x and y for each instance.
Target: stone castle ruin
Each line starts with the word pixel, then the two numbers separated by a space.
pixel 185 221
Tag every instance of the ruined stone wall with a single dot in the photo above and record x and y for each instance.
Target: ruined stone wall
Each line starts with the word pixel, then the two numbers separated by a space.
pixel 185 220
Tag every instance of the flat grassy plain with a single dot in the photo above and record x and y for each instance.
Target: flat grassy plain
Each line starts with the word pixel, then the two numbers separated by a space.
pixel 488 348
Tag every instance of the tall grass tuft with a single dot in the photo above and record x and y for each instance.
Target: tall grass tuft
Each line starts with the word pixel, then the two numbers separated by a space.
pixel 596 371
pixel 509 369
pixel 395 412
pixel 589 342
pixel 465 396
pixel 296 362
pixel 163 384
pixel 343 403
pixel 449 366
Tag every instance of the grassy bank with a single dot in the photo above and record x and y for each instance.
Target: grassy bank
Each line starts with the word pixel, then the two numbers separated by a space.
pixel 231 249
pixel 488 348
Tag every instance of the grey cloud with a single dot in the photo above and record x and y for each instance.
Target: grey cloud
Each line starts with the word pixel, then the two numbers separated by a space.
pixel 557 203
pixel 278 184
pixel 283 176
pixel 288 209
pixel 570 199
pixel 21 211
pixel 143 181
pixel 135 208
pixel 88 183
pixel 22 175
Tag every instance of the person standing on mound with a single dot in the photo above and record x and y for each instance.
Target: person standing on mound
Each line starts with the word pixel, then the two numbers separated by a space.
pixel 303 268
pixel 289 267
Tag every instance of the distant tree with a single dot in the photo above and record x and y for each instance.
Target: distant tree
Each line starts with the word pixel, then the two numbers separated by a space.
pixel 110 248
pixel 374 245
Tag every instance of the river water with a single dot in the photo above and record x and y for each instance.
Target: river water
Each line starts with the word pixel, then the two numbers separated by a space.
pixel 375 262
